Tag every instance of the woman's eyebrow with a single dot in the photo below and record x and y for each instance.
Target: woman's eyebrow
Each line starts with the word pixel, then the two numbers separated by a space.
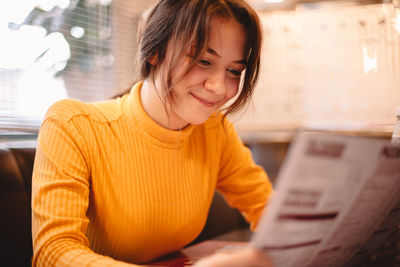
pixel 213 52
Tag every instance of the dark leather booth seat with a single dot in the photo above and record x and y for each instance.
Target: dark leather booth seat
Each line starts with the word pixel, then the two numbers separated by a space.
pixel 16 163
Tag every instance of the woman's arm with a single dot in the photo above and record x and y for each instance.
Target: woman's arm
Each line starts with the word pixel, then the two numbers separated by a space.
pixel 244 184
pixel 60 198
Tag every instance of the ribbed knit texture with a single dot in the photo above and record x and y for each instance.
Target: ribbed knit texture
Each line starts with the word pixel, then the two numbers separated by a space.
pixel 111 187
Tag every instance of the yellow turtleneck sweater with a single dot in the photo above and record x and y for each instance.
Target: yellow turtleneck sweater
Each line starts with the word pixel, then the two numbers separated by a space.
pixel 111 187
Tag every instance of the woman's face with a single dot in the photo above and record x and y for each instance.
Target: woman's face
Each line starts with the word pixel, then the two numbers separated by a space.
pixel 214 79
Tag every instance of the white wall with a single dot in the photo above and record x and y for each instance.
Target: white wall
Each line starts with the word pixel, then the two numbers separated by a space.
pixel 313 70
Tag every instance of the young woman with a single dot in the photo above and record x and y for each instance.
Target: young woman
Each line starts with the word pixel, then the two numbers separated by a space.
pixel 128 180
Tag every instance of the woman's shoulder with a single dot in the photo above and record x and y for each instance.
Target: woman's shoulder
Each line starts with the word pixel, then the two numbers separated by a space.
pixel 68 109
pixel 65 109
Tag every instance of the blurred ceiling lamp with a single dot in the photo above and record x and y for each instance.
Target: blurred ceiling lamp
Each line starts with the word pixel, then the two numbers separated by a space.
pixel 273 1
pixel 77 32
pixel 271 5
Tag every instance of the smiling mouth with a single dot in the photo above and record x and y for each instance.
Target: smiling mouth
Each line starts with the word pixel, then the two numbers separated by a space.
pixel 203 101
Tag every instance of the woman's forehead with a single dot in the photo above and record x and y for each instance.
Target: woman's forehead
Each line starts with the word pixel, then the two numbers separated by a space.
pixel 227 38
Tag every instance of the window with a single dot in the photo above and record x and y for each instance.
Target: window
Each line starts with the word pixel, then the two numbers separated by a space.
pixel 58 49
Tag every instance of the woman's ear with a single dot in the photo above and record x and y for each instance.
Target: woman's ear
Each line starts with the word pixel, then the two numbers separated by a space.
pixel 153 59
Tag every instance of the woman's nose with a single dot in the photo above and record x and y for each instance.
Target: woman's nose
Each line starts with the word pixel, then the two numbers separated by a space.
pixel 215 82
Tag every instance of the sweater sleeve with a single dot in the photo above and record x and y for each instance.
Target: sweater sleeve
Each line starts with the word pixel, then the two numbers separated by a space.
pixel 244 184
pixel 60 198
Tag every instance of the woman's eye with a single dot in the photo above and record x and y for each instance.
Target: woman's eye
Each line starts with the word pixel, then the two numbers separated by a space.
pixel 235 72
pixel 204 62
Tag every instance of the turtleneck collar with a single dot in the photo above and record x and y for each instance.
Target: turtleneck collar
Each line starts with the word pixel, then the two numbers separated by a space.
pixel 152 130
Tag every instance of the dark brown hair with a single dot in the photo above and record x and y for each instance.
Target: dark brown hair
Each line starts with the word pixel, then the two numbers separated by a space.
pixel 178 24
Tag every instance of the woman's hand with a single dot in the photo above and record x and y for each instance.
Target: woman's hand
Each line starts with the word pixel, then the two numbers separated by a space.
pixel 238 258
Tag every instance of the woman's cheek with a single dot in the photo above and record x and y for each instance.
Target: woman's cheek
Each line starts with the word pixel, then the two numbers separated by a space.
pixel 178 73
pixel 233 89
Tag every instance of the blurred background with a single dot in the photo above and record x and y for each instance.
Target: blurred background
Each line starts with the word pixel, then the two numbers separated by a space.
pixel 326 64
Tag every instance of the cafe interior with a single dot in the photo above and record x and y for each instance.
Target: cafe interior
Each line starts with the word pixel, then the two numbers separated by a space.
pixel 331 66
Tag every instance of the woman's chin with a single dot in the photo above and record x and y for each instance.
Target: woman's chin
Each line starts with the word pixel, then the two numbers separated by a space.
pixel 198 122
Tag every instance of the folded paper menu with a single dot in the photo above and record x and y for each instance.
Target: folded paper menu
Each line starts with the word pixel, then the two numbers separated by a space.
pixel 337 201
